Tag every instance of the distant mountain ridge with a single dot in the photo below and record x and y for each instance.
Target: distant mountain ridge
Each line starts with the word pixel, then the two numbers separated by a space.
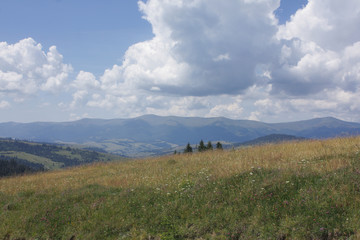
pixel 151 134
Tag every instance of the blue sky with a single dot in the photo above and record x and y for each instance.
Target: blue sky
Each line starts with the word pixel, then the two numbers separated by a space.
pixel 63 60
pixel 92 35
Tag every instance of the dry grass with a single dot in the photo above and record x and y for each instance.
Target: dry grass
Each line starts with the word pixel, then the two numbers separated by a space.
pixel 315 156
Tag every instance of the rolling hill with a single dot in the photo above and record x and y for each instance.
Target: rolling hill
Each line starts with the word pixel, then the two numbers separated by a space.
pixel 153 135
pixel 39 156
pixel 272 138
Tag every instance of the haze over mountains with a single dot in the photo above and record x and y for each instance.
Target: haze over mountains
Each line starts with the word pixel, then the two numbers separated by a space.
pixel 150 134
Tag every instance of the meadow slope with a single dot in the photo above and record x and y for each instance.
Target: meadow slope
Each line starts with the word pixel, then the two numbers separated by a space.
pixel 294 190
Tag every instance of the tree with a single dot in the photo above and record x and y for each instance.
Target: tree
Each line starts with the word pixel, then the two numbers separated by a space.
pixel 209 146
pixel 188 149
pixel 201 146
pixel 219 146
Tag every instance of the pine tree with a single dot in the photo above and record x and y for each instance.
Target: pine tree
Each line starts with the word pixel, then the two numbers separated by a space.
pixel 188 149
pixel 209 146
pixel 201 146
pixel 219 146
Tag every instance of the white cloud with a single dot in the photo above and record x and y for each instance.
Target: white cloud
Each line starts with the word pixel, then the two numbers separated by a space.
pixel 86 80
pixel 234 109
pixel 198 58
pixel 241 64
pixel 321 50
pixel 198 50
pixel 331 24
pixel 78 98
pixel 25 68
pixel 213 58
pixel 254 116
pixel 222 57
pixel 4 104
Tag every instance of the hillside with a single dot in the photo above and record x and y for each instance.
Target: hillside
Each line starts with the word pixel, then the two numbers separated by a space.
pixel 11 168
pixel 153 135
pixel 292 190
pixel 48 156
pixel 272 138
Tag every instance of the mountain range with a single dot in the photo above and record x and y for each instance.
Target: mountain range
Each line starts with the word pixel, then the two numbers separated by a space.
pixel 150 134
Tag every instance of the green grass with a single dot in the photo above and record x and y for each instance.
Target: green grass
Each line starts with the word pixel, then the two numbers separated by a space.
pixel 268 192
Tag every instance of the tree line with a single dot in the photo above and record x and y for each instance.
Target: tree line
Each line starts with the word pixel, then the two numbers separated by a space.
pixel 202 147
pixel 11 167
pixel 71 157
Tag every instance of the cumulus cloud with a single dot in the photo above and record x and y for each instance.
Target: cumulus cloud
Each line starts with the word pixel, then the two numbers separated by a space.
pixel 321 49
pixel 232 108
pixel 85 80
pixel 212 58
pixel 233 59
pixel 331 24
pixel 25 68
pixel 197 63
pixel 198 50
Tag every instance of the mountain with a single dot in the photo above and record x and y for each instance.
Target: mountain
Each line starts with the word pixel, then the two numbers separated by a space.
pixel 151 135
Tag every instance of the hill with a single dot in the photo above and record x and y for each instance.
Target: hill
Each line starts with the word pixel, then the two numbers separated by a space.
pixel 293 190
pixel 272 138
pixel 11 167
pixel 152 135
pixel 39 156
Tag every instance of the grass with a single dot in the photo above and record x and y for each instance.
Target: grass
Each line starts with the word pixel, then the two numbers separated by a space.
pixel 295 190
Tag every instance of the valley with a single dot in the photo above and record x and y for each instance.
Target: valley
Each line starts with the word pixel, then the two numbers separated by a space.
pixel 152 135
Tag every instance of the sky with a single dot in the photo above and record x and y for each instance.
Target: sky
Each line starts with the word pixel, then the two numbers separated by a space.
pixel 264 60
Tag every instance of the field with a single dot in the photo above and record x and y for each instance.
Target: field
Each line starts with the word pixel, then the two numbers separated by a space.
pixel 294 190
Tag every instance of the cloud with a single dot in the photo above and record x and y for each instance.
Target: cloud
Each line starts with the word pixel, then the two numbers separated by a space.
pixel 197 63
pixel 233 59
pixel 4 104
pixel 26 69
pixel 232 109
pixel 331 24
pixel 212 58
pixel 198 50
pixel 320 50
pixel 86 80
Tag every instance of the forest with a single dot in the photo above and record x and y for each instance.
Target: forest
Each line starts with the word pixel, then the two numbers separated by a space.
pixel 12 167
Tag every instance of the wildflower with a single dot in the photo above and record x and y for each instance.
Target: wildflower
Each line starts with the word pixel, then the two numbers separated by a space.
pixel 287 182
pixel 251 173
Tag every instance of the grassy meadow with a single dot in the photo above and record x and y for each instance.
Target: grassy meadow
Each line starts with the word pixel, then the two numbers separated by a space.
pixel 294 190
